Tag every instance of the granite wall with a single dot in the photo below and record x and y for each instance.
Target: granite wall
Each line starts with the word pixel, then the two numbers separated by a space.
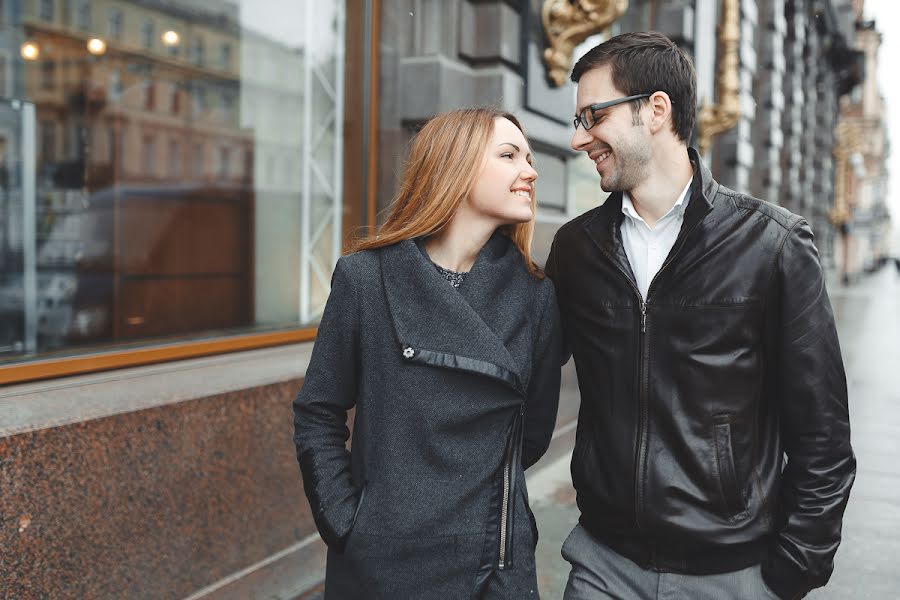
pixel 167 502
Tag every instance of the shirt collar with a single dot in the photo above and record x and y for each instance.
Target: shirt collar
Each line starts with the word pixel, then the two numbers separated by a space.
pixel 679 206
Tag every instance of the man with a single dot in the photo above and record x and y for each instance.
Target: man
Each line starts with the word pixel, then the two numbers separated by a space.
pixel 706 351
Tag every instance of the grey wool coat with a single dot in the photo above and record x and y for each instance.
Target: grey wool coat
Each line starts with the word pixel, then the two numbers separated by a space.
pixel 456 391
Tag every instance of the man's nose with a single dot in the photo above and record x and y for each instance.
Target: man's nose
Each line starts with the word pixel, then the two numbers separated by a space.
pixel 580 139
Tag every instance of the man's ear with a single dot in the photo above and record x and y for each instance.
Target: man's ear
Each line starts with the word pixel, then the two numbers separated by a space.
pixel 660 111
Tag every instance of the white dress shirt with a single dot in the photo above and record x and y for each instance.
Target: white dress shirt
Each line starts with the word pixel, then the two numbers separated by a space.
pixel 647 247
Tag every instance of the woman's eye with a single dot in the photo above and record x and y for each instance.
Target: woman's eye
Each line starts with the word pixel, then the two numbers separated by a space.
pixel 506 155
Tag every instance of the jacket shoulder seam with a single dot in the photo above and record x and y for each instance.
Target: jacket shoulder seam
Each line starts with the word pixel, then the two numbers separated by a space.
pixel 778 253
pixel 786 222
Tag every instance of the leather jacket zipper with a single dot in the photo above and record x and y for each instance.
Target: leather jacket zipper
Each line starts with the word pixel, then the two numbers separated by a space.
pixel 643 376
pixel 639 437
pixel 644 391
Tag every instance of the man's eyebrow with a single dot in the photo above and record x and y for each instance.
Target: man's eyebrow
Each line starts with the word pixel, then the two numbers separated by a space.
pixel 588 105
pixel 581 109
pixel 528 156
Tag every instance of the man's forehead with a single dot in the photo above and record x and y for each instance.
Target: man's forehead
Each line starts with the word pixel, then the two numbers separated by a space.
pixel 596 86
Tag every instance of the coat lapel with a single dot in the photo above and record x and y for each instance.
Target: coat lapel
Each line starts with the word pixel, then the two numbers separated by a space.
pixel 482 327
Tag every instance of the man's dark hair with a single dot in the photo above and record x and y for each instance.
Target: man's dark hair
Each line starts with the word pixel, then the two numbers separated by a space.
pixel 644 62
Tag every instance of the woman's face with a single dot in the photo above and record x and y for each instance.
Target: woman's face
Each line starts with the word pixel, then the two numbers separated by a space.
pixel 504 188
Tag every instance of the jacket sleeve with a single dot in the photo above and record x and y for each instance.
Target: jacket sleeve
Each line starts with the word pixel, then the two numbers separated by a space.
pixel 814 421
pixel 553 272
pixel 320 414
pixel 542 400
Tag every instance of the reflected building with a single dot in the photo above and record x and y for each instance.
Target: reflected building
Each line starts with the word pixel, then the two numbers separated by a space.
pixel 168 159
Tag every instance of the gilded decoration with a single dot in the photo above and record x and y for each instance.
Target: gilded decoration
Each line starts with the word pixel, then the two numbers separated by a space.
pixel 847 142
pixel 722 116
pixel 567 23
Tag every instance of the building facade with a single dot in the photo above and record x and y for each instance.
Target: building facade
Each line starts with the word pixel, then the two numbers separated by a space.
pixel 860 212
pixel 179 178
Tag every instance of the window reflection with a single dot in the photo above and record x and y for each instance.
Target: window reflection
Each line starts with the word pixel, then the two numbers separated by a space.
pixel 172 174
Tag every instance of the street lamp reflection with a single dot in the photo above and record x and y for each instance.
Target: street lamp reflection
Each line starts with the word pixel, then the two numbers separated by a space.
pixel 30 50
pixel 96 46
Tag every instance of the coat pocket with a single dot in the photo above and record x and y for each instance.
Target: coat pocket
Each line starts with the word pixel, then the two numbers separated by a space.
pixel 359 504
pixel 728 480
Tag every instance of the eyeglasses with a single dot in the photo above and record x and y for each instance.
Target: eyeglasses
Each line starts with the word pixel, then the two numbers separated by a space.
pixel 586 117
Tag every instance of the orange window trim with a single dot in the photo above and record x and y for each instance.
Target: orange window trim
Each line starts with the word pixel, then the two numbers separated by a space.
pixel 75 365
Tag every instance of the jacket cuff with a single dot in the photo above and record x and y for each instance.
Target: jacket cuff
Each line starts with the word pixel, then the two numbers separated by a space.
pixel 784 578
pixel 335 532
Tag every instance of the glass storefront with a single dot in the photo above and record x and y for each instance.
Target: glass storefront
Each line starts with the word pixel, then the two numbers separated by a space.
pixel 171 169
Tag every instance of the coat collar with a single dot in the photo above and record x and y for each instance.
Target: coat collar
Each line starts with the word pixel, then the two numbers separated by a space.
pixel 603 225
pixel 481 327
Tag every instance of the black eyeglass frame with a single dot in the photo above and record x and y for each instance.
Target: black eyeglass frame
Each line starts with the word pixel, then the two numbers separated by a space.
pixel 582 119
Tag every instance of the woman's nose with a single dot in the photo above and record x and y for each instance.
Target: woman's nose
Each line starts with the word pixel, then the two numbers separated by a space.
pixel 529 173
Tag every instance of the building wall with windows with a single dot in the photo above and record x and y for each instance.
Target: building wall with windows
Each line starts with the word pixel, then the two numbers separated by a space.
pixel 174 201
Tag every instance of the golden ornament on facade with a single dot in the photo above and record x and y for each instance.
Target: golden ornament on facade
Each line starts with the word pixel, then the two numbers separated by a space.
pixel 722 116
pixel 567 23
pixel 847 142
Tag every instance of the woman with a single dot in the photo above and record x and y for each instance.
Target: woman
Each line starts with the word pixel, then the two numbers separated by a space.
pixel 445 336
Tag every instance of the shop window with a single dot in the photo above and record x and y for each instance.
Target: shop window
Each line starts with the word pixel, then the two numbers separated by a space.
pixel 202 223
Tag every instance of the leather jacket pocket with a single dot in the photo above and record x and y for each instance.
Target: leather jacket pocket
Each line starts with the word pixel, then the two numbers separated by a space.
pixel 728 481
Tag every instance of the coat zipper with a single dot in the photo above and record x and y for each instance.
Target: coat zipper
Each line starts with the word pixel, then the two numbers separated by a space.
pixel 512 455
pixel 504 512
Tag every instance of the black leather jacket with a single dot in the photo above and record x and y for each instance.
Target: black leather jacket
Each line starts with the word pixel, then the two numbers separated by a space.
pixel 692 399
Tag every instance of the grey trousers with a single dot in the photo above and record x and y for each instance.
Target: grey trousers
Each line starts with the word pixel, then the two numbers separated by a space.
pixel 599 573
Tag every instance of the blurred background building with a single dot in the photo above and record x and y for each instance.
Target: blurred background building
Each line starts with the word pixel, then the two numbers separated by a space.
pixel 179 177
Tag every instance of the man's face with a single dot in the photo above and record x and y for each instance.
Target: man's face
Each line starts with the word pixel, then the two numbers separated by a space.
pixel 619 142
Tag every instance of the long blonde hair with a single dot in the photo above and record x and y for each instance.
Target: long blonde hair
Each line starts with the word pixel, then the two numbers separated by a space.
pixel 444 161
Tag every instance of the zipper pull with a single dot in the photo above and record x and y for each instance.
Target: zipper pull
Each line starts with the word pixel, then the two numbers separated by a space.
pixel 643 317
